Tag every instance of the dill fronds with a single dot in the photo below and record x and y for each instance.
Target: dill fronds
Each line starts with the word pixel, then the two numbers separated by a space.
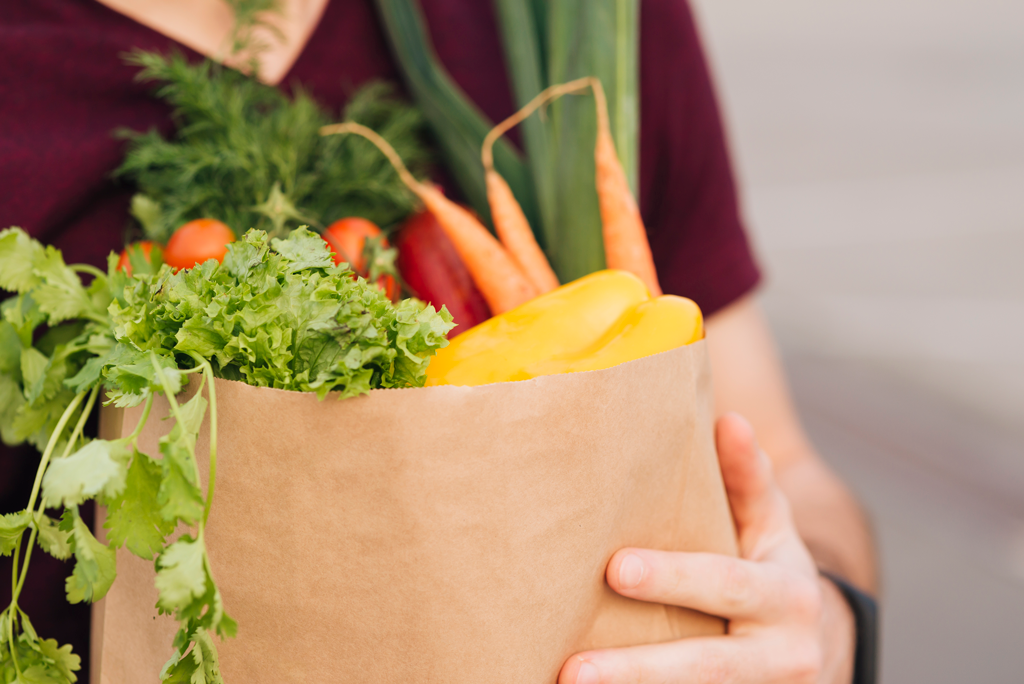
pixel 250 156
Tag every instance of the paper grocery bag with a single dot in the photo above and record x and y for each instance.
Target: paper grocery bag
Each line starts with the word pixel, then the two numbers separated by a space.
pixel 445 534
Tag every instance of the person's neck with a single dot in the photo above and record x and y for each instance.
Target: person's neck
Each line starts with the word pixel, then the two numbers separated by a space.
pixel 206 27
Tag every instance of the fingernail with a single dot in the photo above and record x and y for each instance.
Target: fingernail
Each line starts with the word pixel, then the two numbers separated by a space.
pixel 631 571
pixel 587 674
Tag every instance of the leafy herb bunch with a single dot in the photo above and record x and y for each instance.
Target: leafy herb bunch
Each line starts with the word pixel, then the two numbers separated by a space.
pixel 246 154
pixel 276 313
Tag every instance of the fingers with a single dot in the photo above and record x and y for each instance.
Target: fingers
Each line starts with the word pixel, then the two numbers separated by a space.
pixel 732 588
pixel 758 506
pixel 736 660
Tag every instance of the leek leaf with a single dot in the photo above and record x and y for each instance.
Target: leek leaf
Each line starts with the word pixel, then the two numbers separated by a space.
pixel 459 125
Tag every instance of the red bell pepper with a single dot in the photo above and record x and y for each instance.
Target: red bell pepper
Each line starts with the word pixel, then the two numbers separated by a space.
pixel 434 272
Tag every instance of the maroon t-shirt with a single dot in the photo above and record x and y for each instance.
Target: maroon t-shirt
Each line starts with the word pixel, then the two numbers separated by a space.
pixel 64 88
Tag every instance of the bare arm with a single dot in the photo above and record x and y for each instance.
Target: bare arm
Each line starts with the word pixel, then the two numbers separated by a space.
pixel 749 380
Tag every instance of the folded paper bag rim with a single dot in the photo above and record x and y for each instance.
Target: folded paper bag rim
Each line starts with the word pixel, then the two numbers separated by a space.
pixel 439 534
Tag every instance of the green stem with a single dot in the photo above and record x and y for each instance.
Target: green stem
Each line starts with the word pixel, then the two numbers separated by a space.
pixel 142 419
pixel 51 445
pixel 14 569
pixel 75 435
pixel 24 567
pixel 97 318
pixel 10 644
pixel 86 268
pixel 208 373
pixel 80 426
pixel 176 411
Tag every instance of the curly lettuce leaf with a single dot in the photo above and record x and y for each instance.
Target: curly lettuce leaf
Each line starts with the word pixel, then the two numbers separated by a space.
pixel 278 313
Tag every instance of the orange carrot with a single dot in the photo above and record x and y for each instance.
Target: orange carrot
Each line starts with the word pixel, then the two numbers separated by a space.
pixel 499 278
pixel 509 221
pixel 515 234
pixel 625 239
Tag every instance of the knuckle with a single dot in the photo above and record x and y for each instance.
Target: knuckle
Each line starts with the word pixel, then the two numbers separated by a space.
pixel 805 663
pixel 805 599
pixel 736 586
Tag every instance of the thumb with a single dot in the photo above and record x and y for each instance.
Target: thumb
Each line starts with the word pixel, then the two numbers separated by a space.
pixel 758 506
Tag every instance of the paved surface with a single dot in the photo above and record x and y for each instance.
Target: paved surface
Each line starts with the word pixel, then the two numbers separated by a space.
pixel 880 145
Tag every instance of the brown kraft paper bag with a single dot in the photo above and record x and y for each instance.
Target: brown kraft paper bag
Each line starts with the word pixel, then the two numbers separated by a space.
pixel 443 534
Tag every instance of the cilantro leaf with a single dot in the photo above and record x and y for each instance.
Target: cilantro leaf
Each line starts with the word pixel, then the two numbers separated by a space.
pixel 34 365
pixel 135 378
pixel 98 468
pixel 11 527
pixel 11 400
pixel 95 567
pixel 199 666
pixel 133 517
pixel 42 661
pixel 18 254
pixel 24 315
pixel 181 574
pixel 60 659
pixel 179 496
pixel 51 538
pixel 10 349
pixel 35 422
pixel 59 294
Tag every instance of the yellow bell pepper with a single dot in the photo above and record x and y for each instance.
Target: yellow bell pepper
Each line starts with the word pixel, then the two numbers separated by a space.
pixel 598 321
pixel 573 316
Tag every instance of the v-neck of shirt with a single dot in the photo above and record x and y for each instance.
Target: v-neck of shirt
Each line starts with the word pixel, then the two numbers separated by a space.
pixel 177 43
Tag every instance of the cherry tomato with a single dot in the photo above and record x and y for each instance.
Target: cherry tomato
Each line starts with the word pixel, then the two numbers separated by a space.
pixel 347 237
pixel 124 263
pixel 197 241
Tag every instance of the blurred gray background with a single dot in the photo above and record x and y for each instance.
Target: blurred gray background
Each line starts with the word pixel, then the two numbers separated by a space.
pixel 880 150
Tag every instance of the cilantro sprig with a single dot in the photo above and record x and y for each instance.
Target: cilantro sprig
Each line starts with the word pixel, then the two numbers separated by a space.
pixel 276 313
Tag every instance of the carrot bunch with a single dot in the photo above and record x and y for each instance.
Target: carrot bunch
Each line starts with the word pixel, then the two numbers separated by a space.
pixel 512 269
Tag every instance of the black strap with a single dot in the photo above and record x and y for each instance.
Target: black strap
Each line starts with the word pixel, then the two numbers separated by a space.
pixel 865 615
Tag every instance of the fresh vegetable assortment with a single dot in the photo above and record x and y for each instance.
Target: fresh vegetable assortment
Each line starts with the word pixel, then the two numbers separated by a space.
pixel 275 313
pixel 513 269
pixel 280 306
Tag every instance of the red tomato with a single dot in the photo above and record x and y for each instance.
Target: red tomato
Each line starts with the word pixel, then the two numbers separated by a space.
pixel 197 241
pixel 347 237
pixel 125 263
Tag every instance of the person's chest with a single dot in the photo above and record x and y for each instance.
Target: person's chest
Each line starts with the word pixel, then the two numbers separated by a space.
pixel 209 28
